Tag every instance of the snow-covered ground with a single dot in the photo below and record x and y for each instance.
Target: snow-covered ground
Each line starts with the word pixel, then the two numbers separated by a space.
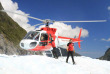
pixel 36 64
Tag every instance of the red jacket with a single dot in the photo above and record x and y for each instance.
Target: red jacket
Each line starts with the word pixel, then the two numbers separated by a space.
pixel 70 46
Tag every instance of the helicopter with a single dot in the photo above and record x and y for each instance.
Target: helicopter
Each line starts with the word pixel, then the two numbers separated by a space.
pixel 38 40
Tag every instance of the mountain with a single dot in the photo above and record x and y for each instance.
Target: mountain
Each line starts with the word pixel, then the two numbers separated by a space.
pixel 10 35
pixel 106 55
pixel 10 29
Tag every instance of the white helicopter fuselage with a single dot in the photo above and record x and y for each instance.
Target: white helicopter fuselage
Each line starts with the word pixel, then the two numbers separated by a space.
pixel 29 44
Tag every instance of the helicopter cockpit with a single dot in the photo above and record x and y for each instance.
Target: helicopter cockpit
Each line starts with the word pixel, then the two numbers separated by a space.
pixel 43 39
pixel 32 35
pixel 33 39
pixel 38 36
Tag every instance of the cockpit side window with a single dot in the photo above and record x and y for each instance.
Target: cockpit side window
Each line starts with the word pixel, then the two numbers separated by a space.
pixel 37 38
pixel 44 37
pixel 32 35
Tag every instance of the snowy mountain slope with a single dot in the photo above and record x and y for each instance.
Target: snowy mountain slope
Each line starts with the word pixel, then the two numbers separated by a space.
pixel 34 64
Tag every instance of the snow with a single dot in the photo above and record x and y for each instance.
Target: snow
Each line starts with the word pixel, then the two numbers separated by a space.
pixel 36 64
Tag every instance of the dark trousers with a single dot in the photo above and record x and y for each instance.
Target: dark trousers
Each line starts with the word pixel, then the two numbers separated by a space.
pixel 68 54
pixel 54 52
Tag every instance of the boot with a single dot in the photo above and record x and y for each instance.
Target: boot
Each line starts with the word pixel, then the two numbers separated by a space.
pixel 66 61
pixel 73 63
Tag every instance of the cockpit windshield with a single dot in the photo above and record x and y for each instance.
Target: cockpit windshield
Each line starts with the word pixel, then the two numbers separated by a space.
pixel 32 35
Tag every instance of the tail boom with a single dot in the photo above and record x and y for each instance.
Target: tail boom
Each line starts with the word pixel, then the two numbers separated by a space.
pixel 74 39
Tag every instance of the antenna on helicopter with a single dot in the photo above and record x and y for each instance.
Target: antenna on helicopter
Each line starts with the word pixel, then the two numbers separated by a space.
pixel 47 21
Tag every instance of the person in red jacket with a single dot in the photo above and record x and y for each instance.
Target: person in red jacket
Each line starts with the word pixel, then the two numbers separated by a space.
pixel 70 49
pixel 54 48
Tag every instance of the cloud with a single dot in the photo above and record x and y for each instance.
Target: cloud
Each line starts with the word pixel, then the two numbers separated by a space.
pixel 95 39
pixel 63 29
pixel 105 39
pixel 108 8
pixel 67 31
pixel 21 20
pixel 86 52
pixel 107 46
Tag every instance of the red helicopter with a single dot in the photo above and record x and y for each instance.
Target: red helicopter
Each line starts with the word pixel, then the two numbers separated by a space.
pixel 40 38
pixel 37 40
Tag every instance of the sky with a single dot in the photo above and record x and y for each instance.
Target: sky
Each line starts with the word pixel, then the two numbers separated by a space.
pixel 95 36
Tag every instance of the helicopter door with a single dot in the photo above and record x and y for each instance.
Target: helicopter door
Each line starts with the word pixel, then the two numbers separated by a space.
pixel 43 39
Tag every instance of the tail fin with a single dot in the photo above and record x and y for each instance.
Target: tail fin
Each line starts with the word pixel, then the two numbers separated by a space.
pixel 79 39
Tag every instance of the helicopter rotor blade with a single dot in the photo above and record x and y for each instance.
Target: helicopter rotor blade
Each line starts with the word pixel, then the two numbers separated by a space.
pixel 83 21
pixel 52 21
pixel 36 25
pixel 23 15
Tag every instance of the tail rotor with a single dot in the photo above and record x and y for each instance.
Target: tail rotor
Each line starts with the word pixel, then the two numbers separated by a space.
pixel 79 39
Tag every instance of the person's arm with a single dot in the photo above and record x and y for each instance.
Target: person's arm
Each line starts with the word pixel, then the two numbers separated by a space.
pixel 67 46
pixel 50 41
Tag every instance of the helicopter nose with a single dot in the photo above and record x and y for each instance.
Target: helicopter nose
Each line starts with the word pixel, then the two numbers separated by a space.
pixel 28 44
pixel 22 44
